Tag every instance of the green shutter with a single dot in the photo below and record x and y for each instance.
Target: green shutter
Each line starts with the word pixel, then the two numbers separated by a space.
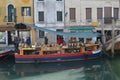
pixel 15 20
pixel 30 11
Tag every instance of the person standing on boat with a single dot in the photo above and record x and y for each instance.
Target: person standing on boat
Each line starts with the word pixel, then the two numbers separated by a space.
pixel 16 43
pixel 28 41
pixel 45 40
pixel 60 40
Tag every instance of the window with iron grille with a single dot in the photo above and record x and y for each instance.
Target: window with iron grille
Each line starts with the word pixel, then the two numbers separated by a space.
pixel 41 16
pixel 59 16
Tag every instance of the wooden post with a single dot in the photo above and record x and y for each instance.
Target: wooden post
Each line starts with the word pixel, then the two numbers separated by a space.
pixel 113 41
pixel 33 36
pixel 103 33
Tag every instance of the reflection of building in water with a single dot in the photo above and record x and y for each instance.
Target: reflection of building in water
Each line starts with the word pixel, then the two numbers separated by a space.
pixel 82 70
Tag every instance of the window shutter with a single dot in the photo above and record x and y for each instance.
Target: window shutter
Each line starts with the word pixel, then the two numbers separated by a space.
pixel 88 13
pixel 30 11
pixel 72 14
pixel 15 15
pixel 99 13
pixel 116 13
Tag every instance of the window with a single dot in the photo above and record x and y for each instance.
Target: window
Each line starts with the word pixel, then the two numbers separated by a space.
pixel 108 12
pixel 58 0
pixel 26 11
pixel 11 16
pixel 59 15
pixel 88 14
pixel 40 0
pixel 2 37
pixel 116 11
pixel 41 16
pixel 107 15
pixel 41 34
pixel 99 13
pixel 72 14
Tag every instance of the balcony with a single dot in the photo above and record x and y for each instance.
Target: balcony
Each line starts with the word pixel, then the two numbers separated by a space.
pixel 10 21
pixel 108 20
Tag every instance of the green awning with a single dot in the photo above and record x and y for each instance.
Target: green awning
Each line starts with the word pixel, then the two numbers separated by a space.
pixel 75 34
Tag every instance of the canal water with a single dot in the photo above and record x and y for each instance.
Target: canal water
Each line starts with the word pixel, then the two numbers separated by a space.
pixel 100 69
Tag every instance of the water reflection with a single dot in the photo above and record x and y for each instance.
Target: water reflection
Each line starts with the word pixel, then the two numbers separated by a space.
pixel 81 70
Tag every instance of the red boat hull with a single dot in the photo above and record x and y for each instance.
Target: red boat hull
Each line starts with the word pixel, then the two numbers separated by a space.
pixel 57 57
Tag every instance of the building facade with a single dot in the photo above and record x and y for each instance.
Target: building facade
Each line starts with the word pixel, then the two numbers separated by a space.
pixel 57 15
pixel 48 14
pixel 82 12
pixel 101 14
pixel 11 13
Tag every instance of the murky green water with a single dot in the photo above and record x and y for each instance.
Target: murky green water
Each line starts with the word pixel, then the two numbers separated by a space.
pixel 100 69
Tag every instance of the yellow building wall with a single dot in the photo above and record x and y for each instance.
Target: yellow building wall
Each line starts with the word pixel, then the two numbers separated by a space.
pixel 33 37
pixel 17 4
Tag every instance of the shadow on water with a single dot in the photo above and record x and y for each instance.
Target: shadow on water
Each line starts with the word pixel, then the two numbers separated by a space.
pixel 100 69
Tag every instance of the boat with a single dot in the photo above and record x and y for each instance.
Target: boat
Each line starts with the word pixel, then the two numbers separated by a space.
pixel 71 51
pixel 58 55
pixel 4 53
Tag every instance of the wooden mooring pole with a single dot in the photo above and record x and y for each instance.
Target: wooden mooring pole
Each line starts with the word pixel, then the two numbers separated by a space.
pixel 103 32
pixel 113 36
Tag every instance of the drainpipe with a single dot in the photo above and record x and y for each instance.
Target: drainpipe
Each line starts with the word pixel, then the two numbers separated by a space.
pixel 64 16
pixel 119 11
pixel 33 13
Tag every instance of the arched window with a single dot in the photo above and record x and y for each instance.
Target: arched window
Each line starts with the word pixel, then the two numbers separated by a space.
pixel 11 13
